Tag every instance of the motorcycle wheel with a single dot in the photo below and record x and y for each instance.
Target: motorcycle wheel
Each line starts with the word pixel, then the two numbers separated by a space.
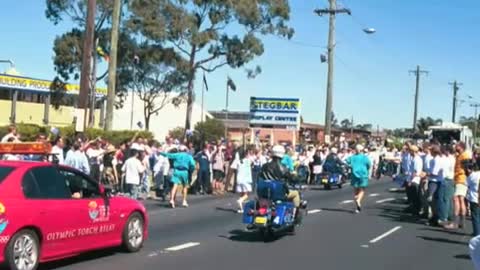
pixel 291 229
pixel 340 186
pixel 327 187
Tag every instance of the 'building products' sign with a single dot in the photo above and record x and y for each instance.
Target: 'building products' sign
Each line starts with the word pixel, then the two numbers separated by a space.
pixel 24 83
pixel 275 112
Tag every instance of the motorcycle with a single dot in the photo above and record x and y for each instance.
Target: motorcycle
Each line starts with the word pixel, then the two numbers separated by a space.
pixel 337 178
pixel 271 212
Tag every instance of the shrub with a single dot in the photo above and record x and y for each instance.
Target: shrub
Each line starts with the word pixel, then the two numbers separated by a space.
pixel 28 132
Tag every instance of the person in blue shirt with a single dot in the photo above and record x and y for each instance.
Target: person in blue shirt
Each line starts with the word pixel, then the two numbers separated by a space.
pixel 77 159
pixel 183 164
pixel 360 165
pixel 287 161
pixel 203 178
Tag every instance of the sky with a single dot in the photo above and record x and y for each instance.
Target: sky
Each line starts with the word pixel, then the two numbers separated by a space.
pixel 371 79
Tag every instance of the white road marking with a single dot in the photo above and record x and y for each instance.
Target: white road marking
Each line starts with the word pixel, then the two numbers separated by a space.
pixel 313 211
pixel 405 198
pixel 374 195
pixel 385 235
pixel 394 189
pixel 347 201
pixel 385 200
pixel 364 246
pixel 183 246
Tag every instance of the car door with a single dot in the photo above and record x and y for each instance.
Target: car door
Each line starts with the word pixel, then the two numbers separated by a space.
pixel 97 223
pixel 49 207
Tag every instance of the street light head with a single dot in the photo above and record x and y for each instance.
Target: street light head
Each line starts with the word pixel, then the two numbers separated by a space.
pixel 369 31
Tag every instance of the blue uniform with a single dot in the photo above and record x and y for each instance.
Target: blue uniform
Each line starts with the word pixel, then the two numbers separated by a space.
pixel 360 165
pixel 287 161
pixel 183 163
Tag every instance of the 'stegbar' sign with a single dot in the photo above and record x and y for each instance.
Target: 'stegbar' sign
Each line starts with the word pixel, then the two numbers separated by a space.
pixel 275 112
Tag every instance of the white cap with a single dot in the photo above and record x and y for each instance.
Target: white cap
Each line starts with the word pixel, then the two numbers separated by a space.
pixel 278 151
pixel 359 148
pixel 334 150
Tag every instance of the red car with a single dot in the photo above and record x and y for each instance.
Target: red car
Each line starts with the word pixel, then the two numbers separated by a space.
pixel 50 212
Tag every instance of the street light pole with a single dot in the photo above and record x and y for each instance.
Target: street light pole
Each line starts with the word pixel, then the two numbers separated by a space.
pixel 332 11
pixel 136 61
pixel 12 64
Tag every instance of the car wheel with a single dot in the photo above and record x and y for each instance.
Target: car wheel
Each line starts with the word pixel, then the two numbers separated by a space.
pixel 23 251
pixel 132 237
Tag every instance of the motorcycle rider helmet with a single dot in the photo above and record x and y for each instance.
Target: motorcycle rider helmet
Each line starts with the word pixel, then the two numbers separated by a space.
pixel 278 151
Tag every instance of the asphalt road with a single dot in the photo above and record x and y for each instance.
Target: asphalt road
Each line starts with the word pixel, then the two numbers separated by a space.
pixel 209 235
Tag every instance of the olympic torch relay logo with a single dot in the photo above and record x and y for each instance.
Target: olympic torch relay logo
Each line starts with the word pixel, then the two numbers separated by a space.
pixel 3 218
pixel 93 210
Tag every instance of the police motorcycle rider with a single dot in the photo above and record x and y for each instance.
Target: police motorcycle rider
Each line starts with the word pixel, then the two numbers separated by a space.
pixel 274 170
pixel 333 164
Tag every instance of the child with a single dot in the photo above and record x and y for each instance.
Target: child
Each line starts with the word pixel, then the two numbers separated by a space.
pixel 244 178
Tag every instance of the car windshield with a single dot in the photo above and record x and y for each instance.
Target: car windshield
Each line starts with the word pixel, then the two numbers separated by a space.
pixel 4 172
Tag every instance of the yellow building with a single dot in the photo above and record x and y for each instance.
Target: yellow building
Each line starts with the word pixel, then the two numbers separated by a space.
pixel 27 100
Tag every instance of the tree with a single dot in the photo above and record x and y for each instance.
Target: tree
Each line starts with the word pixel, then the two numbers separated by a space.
pixel 68 47
pixel 424 123
pixel 346 123
pixel 157 80
pixel 208 131
pixel 334 120
pixel 470 122
pixel 365 126
pixel 197 29
pixel 177 133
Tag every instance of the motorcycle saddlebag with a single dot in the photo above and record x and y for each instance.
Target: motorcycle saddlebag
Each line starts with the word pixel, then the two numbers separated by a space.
pixel 284 213
pixel 246 218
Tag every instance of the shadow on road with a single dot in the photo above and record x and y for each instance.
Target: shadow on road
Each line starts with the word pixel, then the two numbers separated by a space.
pixel 226 209
pixel 443 240
pixel 251 236
pixel 452 232
pixel 339 210
pixel 398 214
pixel 462 257
pixel 89 256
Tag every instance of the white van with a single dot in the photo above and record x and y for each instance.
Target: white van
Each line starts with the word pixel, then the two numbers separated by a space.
pixel 447 133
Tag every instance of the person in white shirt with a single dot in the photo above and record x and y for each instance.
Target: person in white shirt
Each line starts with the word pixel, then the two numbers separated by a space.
pixel 12 133
pixel 244 178
pixel 133 168
pixel 435 179
pixel 447 187
pixel 413 181
pixel 473 180
pixel 57 150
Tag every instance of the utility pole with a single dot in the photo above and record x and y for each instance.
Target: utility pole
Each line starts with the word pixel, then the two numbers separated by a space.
pixel 418 72
pixel 476 119
pixel 86 60
pixel 112 65
pixel 455 92
pixel 332 11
